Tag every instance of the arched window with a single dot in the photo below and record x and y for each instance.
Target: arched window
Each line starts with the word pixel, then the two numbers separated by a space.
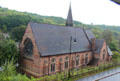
pixel 28 47
pixel 86 59
pixel 77 60
pixel 73 62
pixel 60 64
pixel 104 54
pixel 53 65
pixel 66 62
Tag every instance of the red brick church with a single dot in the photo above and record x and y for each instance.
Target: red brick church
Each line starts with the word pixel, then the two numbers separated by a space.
pixel 47 49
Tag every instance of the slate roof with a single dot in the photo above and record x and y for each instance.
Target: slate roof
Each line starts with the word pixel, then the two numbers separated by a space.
pixel 55 40
pixel 90 34
pixel 99 44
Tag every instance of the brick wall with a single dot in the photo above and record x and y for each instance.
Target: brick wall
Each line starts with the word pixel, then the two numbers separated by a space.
pixel 32 64
pixel 39 66
pixel 104 48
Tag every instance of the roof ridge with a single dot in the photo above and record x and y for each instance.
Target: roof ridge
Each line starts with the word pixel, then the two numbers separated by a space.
pixel 57 25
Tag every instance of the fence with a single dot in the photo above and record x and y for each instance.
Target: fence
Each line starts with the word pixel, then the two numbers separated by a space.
pixel 78 72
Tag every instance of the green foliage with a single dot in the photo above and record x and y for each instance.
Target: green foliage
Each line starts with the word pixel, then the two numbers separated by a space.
pixel 113 45
pixel 97 32
pixel 15 22
pixel 12 18
pixel 107 35
pixel 4 28
pixel 9 73
pixel 8 69
pixel 17 33
pixel 1 36
pixel 8 50
pixel 116 56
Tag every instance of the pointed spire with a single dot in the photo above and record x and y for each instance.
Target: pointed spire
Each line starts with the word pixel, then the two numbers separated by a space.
pixel 69 21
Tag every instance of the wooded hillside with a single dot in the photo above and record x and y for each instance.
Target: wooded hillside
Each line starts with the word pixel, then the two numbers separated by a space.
pixel 14 23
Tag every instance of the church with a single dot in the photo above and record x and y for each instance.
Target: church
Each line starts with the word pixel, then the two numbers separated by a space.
pixel 47 49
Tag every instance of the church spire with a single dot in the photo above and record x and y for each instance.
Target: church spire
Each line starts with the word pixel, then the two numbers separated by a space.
pixel 69 21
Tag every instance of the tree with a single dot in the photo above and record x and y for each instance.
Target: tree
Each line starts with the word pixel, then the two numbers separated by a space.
pixel 4 28
pixel 107 35
pixel 1 36
pixel 97 32
pixel 8 50
pixel 17 33
pixel 113 46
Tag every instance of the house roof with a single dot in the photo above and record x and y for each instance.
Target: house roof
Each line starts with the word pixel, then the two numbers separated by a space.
pixel 99 44
pixel 90 35
pixel 55 40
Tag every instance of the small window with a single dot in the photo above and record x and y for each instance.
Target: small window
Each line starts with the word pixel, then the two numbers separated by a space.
pixel 67 58
pixel 77 60
pixel 53 65
pixel 104 50
pixel 66 62
pixel 86 59
pixel 60 65
pixel 60 59
pixel 53 60
pixel 104 54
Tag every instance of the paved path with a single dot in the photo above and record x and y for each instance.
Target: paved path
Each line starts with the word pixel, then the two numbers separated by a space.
pixel 102 74
pixel 112 77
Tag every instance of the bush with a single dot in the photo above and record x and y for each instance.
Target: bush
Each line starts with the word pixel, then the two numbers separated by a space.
pixel 8 70
pixel 9 73
pixel 116 56
pixel 8 50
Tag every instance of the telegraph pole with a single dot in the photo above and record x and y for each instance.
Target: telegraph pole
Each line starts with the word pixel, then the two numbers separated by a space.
pixel 70 56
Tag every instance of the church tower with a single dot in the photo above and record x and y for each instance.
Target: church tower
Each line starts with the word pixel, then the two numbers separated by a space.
pixel 69 21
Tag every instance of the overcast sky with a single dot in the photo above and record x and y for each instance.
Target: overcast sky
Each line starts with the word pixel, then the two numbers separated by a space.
pixel 86 11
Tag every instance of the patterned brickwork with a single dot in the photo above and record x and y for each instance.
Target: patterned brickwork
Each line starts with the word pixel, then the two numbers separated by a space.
pixel 38 66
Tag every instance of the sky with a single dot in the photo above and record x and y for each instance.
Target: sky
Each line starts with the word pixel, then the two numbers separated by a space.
pixel 85 11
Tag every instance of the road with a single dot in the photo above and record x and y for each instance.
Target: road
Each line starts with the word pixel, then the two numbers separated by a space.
pixel 103 74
